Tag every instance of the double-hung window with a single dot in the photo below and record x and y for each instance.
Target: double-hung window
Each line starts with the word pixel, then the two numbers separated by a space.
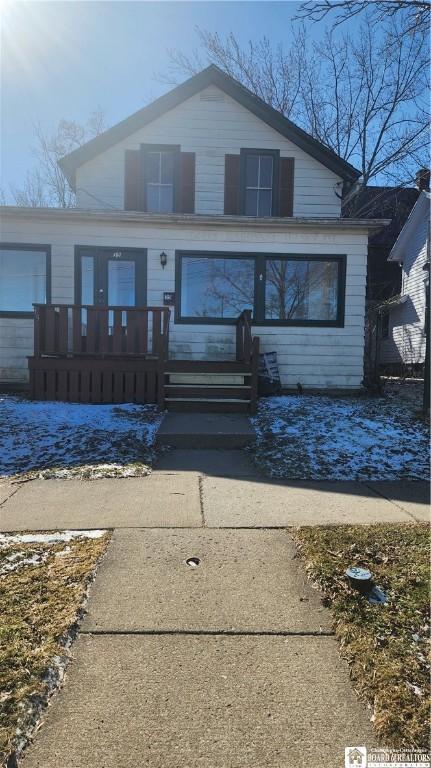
pixel 160 174
pixel 24 278
pixel 259 181
pixel 279 289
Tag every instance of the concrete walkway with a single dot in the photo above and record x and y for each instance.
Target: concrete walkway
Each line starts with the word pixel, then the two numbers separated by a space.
pixel 215 489
pixel 228 664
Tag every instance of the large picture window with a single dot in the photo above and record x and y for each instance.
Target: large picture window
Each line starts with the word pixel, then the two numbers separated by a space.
pixel 24 278
pixel 278 289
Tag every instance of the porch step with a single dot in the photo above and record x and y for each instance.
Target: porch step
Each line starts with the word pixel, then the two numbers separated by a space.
pixel 205 430
pixel 241 392
pixel 207 405
pixel 202 385
pixel 219 379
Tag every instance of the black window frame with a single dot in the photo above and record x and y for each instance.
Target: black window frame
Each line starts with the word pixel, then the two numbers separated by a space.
pixel 258 316
pixel 100 251
pixel 275 154
pixel 385 325
pixel 144 150
pixel 43 248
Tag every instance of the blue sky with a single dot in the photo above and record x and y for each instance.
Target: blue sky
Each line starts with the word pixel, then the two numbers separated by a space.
pixel 64 59
pixel 61 59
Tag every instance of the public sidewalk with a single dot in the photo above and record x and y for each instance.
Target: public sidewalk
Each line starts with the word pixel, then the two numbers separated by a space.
pixel 215 489
pixel 228 664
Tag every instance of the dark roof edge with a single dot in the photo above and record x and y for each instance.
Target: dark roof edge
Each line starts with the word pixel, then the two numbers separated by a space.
pixel 212 75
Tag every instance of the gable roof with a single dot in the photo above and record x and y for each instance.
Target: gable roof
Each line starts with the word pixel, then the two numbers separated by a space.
pixel 212 75
pixel 419 212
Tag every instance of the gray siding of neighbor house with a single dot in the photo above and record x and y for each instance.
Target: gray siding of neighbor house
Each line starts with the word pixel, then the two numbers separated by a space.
pixel 406 341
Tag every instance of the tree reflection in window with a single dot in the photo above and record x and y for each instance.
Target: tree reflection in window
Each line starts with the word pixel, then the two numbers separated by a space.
pixel 301 290
pixel 216 287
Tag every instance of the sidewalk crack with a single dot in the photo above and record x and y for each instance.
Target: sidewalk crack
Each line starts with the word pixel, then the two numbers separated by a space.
pixel 201 499
pixel 212 632
pixel 391 501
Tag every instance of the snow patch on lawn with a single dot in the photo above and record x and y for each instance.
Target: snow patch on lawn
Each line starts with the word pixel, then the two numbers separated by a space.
pixel 48 538
pixel 70 439
pixel 312 437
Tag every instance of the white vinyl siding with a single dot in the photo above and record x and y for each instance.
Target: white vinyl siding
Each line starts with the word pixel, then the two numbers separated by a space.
pixel 210 129
pixel 316 357
pixel 406 340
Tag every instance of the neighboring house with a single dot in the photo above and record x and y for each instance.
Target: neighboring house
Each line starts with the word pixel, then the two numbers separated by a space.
pixel 205 203
pixel 402 325
pixel 394 203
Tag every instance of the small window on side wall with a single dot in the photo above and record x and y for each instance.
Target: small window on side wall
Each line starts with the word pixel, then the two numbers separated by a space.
pixel 24 278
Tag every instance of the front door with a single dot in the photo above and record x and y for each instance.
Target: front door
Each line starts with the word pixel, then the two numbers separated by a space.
pixel 114 277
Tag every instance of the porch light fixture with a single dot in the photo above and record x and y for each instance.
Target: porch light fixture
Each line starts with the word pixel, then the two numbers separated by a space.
pixel 163 259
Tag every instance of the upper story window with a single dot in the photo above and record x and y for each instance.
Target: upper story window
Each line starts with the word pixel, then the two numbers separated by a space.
pixel 159 178
pixel 24 278
pixel 160 181
pixel 259 182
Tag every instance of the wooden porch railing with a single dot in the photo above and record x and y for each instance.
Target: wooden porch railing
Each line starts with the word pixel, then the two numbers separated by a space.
pixel 105 354
pixel 247 351
pixel 77 329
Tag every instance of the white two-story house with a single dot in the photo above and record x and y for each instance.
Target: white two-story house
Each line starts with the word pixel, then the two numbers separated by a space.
pixel 203 204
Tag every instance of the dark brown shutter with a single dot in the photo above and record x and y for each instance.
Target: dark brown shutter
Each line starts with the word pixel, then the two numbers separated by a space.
pixel 132 180
pixel 231 184
pixel 187 182
pixel 287 172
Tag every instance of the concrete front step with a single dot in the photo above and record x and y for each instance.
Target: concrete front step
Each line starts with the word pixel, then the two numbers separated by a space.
pixel 206 429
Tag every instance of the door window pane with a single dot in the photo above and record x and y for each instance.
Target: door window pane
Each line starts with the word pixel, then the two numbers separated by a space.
pixel 22 279
pixel 87 280
pixel 121 283
pixel 301 290
pixel 213 287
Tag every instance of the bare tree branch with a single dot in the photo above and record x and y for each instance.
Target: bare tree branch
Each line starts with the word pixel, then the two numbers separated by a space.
pixel 365 98
pixel 45 184
pixel 416 13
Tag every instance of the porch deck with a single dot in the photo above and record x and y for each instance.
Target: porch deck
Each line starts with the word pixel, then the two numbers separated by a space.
pixel 105 354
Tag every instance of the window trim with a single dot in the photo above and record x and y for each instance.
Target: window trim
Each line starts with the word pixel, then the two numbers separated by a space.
pixel 99 278
pixel 275 154
pixel 260 288
pixel 176 150
pixel 30 247
pixel 385 328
